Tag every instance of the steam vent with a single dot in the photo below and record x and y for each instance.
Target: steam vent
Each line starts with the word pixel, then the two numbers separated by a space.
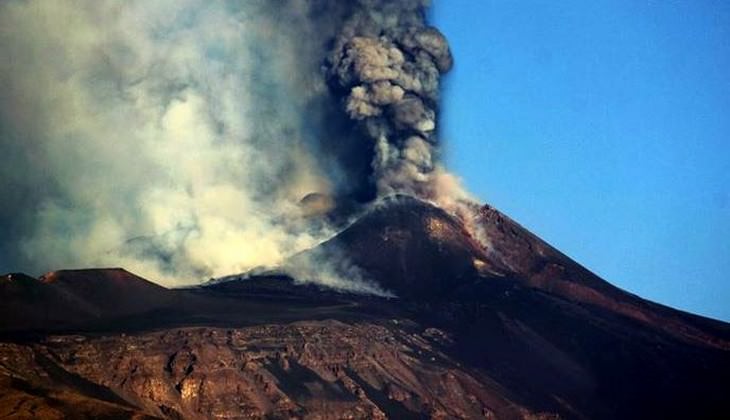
pixel 263 180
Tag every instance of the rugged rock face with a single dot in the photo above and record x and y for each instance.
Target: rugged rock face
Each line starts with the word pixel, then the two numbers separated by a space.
pixel 501 327
pixel 303 369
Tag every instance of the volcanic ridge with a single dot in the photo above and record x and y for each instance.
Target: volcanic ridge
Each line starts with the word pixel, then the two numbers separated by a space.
pixel 495 324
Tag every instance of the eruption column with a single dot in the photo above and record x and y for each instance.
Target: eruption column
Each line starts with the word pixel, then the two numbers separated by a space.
pixel 386 64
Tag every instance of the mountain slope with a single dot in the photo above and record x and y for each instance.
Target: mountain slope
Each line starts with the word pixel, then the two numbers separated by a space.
pixel 499 325
pixel 562 339
pixel 69 298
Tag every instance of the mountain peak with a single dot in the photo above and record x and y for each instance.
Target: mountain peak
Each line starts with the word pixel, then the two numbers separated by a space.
pixel 507 324
pixel 410 247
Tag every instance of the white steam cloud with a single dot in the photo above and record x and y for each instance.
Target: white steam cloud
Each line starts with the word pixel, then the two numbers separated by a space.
pixel 167 137
pixel 188 139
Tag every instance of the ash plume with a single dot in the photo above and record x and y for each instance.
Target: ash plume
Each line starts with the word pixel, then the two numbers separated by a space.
pixel 386 64
pixel 192 139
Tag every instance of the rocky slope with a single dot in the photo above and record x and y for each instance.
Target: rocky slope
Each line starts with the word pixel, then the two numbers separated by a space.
pixel 495 326
pixel 309 369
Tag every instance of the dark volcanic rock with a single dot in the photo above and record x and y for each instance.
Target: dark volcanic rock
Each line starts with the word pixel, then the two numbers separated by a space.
pixel 537 265
pixel 72 298
pixel 109 292
pixel 410 247
pixel 503 327
pixel 29 304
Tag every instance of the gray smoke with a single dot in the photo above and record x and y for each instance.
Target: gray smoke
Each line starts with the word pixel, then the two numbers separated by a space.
pixel 387 63
pixel 184 139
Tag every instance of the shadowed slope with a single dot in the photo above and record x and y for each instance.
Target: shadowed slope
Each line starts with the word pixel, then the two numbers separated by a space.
pixel 69 298
pixel 421 252
pixel 109 292
pixel 409 247
pixel 506 326
pixel 553 333
pixel 538 265
pixel 29 304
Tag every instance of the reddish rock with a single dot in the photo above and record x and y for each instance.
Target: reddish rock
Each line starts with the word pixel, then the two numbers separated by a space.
pixel 495 325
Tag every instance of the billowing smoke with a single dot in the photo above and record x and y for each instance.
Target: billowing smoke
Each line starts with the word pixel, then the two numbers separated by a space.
pixel 186 139
pixel 387 63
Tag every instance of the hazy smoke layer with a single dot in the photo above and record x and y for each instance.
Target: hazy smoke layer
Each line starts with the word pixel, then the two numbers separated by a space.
pixel 177 138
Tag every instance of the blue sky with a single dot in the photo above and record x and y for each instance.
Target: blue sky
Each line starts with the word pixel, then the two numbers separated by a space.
pixel 603 127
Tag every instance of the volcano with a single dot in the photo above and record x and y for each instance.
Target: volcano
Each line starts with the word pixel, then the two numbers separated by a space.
pixel 495 324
